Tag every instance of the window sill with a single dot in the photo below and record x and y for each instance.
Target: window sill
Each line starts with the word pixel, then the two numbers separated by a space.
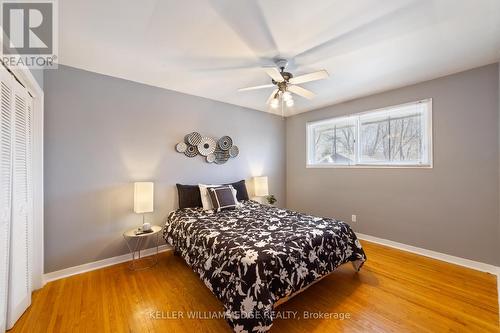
pixel 369 166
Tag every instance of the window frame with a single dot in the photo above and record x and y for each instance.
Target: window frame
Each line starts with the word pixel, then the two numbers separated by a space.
pixel 383 165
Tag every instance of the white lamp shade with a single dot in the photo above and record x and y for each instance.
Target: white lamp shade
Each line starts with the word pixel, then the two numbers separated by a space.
pixel 143 197
pixel 261 188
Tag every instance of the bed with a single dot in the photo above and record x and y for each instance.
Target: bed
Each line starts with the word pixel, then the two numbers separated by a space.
pixel 257 256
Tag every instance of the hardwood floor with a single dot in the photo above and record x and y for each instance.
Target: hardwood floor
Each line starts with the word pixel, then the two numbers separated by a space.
pixel 395 291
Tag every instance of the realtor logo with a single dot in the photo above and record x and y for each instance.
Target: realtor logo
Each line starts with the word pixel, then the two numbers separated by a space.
pixel 30 34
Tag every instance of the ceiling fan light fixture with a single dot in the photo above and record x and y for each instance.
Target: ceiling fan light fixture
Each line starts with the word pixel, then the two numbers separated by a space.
pixel 285 84
pixel 287 96
pixel 275 103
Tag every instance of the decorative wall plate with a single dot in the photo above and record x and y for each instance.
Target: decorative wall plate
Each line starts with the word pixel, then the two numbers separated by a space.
pixel 193 138
pixel 181 147
pixel 217 151
pixel 225 143
pixel 211 158
pixel 206 146
pixel 191 151
pixel 221 156
pixel 234 151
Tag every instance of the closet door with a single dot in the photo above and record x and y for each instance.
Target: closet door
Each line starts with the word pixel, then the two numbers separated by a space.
pixel 19 294
pixel 5 189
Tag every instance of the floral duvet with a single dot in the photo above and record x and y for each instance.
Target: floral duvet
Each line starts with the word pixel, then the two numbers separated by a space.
pixel 253 256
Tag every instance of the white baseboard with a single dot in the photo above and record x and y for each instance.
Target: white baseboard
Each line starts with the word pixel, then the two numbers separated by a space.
pixel 48 277
pixel 479 266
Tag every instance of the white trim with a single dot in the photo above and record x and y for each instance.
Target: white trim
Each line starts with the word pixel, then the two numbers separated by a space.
pixel 91 266
pixel 368 166
pixel 479 266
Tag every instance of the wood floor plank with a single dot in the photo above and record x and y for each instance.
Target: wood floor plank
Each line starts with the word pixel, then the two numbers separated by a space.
pixel 395 291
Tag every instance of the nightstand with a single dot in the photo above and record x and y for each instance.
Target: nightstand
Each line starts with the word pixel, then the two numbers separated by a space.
pixel 136 241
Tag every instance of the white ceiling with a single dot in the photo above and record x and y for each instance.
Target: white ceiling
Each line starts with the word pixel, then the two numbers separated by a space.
pixel 210 48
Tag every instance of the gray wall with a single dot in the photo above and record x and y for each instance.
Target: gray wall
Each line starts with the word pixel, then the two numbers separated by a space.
pixel 103 133
pixel 38 75
pixel 452 208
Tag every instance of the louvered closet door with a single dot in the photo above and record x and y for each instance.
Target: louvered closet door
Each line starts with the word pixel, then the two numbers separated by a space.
pixel 5 189
pixel 19 294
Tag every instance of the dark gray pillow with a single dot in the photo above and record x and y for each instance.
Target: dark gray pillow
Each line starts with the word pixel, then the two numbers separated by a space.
pixel 189 196
pixel 241 190
pixel 222 198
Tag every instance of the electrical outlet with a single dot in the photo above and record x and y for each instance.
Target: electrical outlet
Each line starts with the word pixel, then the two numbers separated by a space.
pixel 353 218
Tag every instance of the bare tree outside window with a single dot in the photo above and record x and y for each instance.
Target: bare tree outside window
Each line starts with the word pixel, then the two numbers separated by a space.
pixel 406 138
pixel 399 135
pixel 392 139
pixel 335 144
pixel 374 140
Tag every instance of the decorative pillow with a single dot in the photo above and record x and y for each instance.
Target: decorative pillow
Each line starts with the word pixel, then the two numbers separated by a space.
pixel 206 202
pixel 222 198
pixel 241 190
pixel 189 196
pixel 205 197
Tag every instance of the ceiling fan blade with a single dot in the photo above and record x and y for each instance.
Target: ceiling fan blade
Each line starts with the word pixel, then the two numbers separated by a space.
pixel 272 96
pixel 319 75
pixel 383 24
pixel 274 73
pixel 257 87
pixel 301 92
pixel 247 20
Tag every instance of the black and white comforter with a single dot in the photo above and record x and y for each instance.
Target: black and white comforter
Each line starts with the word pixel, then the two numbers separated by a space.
pixel 252 256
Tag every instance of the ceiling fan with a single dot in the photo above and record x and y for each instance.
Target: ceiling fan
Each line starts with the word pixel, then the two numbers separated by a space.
pixel 285 84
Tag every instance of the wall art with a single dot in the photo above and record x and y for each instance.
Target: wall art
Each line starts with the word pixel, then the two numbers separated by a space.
pixel 214 150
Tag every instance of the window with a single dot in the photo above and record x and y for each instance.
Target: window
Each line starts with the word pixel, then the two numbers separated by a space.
pixel 395 136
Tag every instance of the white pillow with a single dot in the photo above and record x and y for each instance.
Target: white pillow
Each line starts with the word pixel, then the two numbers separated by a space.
pixel 205 197
pixel 238 204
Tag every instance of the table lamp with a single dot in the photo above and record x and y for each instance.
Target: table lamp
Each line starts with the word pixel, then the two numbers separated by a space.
pixel 143 200
pixel 261 188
